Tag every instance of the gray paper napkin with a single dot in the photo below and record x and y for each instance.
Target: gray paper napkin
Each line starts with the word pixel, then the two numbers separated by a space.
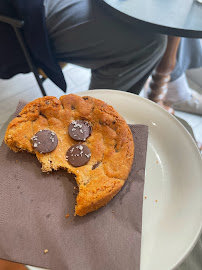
pixel 33 209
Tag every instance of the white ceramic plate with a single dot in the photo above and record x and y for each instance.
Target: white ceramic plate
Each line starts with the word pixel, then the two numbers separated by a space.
pixel 172 210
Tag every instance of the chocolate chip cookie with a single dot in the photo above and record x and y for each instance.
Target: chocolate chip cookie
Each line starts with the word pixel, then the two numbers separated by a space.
pixel 82 135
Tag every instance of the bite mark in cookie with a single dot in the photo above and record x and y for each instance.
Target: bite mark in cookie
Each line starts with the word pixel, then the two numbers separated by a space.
pixel 110 142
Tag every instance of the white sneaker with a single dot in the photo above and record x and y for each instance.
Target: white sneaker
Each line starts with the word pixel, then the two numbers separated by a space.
pixel 191 105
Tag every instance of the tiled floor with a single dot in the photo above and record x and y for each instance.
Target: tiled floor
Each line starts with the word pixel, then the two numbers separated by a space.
pixel 77 78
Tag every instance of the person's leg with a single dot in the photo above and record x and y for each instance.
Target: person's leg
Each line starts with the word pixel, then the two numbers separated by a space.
pixel 189 56
pixel 131 71
pixel 179 94
pixel 86 34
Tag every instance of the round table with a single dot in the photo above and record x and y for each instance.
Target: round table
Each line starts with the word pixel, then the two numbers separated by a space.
pixel 175 18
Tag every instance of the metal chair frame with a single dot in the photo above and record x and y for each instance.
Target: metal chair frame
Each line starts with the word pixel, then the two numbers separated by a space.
pixel 17 26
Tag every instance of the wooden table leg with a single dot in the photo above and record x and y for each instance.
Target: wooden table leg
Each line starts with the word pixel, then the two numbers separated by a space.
pixel 157 88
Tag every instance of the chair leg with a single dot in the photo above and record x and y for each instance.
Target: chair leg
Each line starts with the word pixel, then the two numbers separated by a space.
pixel 39 81
pixel 29 60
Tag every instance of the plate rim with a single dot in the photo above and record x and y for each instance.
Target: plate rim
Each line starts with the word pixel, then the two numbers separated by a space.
pixel 185 132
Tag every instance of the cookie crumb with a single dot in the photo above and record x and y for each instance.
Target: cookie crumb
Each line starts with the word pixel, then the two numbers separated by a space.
pixel 67 215
pixel 157 162
pixel 156 200
pixel 45 251
pixel 145 197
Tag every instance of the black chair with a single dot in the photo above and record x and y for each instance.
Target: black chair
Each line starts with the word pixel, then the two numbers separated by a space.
pixel 17 26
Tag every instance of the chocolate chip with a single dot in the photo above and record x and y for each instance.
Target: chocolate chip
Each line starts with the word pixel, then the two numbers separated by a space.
pixel 102 123
pixel 72 107
pixel 79 130
pixel 43 115
pixel 85 98
pixel 18 115
pixel 96 165
pixel 45 141
pixel 78 155
pixel 116 149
